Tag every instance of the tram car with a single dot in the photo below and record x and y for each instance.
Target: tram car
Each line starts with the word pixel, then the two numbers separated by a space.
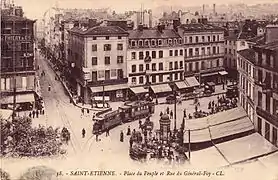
pixel 106 121
pixel 136 110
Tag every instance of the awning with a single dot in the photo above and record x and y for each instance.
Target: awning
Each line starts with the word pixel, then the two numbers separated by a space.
pixel 139 90
pixel 109 88
pixel 222 73
pixel 209 74
pixel 191 81
pixel 20 98
pixel 6 114
pixel 161 88
pixel 181 85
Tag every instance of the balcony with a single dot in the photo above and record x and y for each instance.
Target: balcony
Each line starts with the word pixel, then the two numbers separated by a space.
pixel 108 82
pixel 273 119
pixel 207 56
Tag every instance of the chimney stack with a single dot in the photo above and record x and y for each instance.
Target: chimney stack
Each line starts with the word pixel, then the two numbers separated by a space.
pixel 214 11
pixel 271 33
pixel 203 9
pixel 140 27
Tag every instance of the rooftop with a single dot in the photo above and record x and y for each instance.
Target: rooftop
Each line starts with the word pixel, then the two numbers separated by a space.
pixel 269 46
pixel 100 30
pixel 248 54
pixel 200 27
pixel 14 18
pixel 260 40
pixel 152 34
pixel 246 35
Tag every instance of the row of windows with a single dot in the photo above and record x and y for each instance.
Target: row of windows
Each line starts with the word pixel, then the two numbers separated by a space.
pixel 120 59
pixel 197 39
pixel 267 131
pixel 23 46
pixel 153 78
pixel 230 51
pixel 107 74
pixel 21 62
pixel 155 42
pixel 177 65
pixel 107 47
pixel 147 54
pixel 106 37
pixel 245 66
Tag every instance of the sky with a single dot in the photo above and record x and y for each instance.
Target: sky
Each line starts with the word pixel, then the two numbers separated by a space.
pixel 35 8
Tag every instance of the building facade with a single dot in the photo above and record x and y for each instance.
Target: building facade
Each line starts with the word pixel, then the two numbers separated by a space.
pixel 246 71
pixel 203 51
pixel 98 60
pixel 266 79
pixel 17 61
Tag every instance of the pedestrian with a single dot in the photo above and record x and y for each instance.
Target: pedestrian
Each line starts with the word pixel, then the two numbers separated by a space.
pixel 128 131
pixel 49 87
pixel 30 114
pixel 42 111
pixel 107 132
pixel 83 133
pixel 156 101
pixel 196 108
pixel 133 132
pixel 212 103
pixel 96 137
pixel 88 111
pixel 167 110
pixel 82 111
pixel 130 142
pixel 140 123
pixel 171 114
pixel 184 112
pixel 37 113
pixel 161 113
pixel 33 114
pixel 122 136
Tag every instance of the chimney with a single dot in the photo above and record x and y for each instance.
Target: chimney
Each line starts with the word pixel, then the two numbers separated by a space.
pixel 150 19
pixel 203 9
pixel 159 28
pixel 271 33
pixel 214 11
pixel 176 24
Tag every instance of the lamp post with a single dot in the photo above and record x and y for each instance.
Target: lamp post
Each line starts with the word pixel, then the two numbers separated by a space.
pixel 103 101
pixel 175 109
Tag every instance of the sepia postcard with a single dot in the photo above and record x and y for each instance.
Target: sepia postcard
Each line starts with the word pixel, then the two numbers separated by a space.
pixel 139 89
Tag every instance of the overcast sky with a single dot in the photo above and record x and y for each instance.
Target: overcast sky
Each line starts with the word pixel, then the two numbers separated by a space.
pixel 35 8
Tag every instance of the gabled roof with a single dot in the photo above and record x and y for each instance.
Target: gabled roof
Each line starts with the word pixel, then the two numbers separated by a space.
pixel 248 54
pixel 270 46
pixel 100 30
pixel 259 40
pixel 200 27
pixel 153 34
pixel 15 18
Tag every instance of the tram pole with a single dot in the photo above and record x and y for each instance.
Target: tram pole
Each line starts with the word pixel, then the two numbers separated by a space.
pixel 189 145
pixel 103 101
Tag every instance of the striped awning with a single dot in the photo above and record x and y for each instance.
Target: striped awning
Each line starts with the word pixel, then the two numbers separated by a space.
pixel 161 88
pixel 223 73
pixel 139 90
pixel 191 81
pixel 20 98
pixel 181 85
pixel 109 88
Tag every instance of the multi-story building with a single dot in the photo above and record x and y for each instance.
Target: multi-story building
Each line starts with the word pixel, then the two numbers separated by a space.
pixel 203 51
pixel 98 60
pixel 155 56
pixel 17 60
pixel 266 89
pixel 246 71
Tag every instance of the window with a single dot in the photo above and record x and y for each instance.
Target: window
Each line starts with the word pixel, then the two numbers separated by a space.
pixel 160 77
pixel 181 52
pixel 260 76
pixel 141 55
pixel 259 125
pixel 170 41
pixel 141 80
pixel 274 136
pixel 153 66
pixel 133 68
pixel 147 42
pixel 181 75
pixel 132 43
pixel 197 66
pixel 230 51
pixel 147 67
pixel 181 64
pixel 176 52
pixel 160 66
pixel 213 50
pixel 208 38
pixel 120 47
pixel 141 67
pixel 170 65
pixel 219 52
pixel 160 53
pixel 100 74
pixel 190 39
pixel 180 41
pixel 113 72
pixel 147 53
pixel 153 78
pixel 119 37
pixel 7 31
pixel 213 38
pixel 141 43
pixel 175 41
pixel 153 54
pixel 197 39
pixel 226 50
pixel 176 76
pixel 107 47
pixel 153 42
pixel 190 52
pixel 94 61
pixel 176 65
pixel 203 38
pixel 190 67
pixel 120 74
pixel 94 47
pixel 203 65
pixel 133 55
pixel 267 102
pixel 185 52
pixel 267 131
pixel 133 80
pixel 107 74
pixel 94 38
pixel 107 37
pixel 217 37
pixel 217 63
pixel 208 50
pixel 159 42
pixel 94 76
pixel 120 59
pixel 197 52
pixel 107 60
pixel 24 46
pixel 185 40
pixel 170 52
pixel 260 96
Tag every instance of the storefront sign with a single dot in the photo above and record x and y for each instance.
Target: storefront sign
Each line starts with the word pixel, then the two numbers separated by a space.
pixel 15 38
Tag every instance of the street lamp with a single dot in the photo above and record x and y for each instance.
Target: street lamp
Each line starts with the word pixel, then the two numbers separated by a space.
pixel 175 108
